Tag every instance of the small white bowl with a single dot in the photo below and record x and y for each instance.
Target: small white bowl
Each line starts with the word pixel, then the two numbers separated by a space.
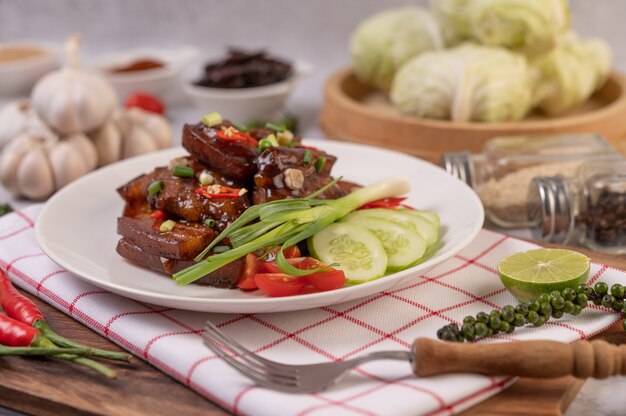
pixel 17 78
pixel 245 104
pixel 160 82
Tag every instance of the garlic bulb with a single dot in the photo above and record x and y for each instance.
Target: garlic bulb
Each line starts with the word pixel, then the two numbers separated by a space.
pixel 132 132
pixel 18 117
pixel 72 100
pixel 35 166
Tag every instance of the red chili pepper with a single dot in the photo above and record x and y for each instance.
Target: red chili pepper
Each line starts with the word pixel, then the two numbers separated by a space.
pixel 308 147
pixel 225 192
pixel 390 203
pixel 16 334
pixel 231 134
pixel 16 305
pixel 158 214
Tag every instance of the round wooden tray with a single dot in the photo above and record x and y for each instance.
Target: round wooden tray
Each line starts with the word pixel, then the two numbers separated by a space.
pixel 357 113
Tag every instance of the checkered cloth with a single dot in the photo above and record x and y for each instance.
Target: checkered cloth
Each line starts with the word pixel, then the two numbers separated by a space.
pixel 170 339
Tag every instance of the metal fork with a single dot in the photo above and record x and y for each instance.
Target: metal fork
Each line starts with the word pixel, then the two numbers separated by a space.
pixel 541 359
pixel 286 377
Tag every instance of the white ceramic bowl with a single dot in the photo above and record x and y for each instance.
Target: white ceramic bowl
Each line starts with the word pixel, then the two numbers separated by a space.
pixel 17 78
pixel 245 104
pixel 161 82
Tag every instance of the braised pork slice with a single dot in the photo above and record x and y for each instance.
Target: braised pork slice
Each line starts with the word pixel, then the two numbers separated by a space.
pixel 179 196
pixel 183 242
pixel 224 277
pixel 293 173
pixel 232 158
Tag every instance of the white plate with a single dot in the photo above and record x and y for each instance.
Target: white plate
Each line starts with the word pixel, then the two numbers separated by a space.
pixel 77 229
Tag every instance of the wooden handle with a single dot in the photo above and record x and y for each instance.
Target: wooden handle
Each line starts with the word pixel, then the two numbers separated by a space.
pixel 540 359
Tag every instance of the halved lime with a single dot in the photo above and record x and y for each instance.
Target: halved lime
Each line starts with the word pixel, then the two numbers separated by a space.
pixel 529 274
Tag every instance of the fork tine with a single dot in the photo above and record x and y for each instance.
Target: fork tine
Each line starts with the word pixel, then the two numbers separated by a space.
pixel 261 378
pixel 260 368
pixel 248 355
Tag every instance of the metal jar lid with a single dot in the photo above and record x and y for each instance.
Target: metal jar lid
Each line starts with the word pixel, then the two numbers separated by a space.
pixel 550 209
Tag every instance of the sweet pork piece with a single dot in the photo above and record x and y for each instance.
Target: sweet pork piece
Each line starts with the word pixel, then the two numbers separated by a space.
pixel 224 277
pixel 179 197
pixel 286 173
pixel 234 159
pixel 183 242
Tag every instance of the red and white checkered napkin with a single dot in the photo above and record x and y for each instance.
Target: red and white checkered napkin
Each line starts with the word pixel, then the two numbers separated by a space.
pixel 169 339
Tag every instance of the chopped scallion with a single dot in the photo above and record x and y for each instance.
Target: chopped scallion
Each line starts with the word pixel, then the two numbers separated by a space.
pixel 212 119
pixel 276 127
pixel 320 163
pixel 183 171
pixel 220 249
pixel 155 187
pixel 167 226
pixel 266 143
pixel 206 178
pixel 284 138
pixel 241 127
pixel 209 222
pixel 308 155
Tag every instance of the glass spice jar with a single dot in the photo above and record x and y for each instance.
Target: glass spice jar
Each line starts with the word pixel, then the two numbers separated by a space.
pixel 588 209
pixel 502 173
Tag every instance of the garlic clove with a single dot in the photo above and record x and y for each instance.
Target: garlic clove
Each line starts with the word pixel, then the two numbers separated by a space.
pixel 108 142
pixel 10 159
pixel 85 148
pixel 137 142
pixel 67 163
pixel 34 177
pixel 159 129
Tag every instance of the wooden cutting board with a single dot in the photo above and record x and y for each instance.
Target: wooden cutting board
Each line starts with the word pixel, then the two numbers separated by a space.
pixel 50 387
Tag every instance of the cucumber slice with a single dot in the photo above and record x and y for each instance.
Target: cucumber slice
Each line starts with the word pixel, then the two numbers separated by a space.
pixel 404 247
pixel 425 228
pixel 356 249
pixel 428 215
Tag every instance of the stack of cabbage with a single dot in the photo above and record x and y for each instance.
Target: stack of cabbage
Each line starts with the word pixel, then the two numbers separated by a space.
pixel 479 60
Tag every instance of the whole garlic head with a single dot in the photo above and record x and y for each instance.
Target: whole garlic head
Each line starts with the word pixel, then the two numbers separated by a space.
pixel 19 117
pixel 72 100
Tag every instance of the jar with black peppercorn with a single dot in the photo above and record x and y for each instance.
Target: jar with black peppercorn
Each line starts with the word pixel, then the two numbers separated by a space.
pixel 501 174
pixel 588 209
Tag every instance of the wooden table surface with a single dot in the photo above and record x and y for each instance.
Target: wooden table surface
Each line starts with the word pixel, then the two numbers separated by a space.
pixel 51 387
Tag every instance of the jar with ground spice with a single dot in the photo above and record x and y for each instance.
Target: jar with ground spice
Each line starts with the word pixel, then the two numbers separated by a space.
pixel 502 173
pixel 588 209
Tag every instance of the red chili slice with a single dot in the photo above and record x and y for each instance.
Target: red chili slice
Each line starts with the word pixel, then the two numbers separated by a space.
pixel 158 214
pixel 388 203
pixel 231 134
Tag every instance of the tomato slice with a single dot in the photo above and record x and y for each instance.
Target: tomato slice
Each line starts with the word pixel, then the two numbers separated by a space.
pixel 279 284
pixel 145 102
pixel 329 279
pixel 250 269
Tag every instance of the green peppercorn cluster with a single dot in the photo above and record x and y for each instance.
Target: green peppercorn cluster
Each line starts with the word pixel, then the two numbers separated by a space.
pixel 536 312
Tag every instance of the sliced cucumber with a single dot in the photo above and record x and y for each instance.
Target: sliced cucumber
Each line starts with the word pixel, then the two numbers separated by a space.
pixel 404 247
pixel 425 228
pixel 355 249
pixel 429 215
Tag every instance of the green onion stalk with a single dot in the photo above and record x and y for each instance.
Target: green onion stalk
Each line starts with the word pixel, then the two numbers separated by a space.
pixel 286 222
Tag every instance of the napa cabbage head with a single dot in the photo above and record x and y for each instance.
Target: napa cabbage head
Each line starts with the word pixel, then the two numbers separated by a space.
pixel 571 73
pixel 529 26
pixel 385 41
pixel 466 83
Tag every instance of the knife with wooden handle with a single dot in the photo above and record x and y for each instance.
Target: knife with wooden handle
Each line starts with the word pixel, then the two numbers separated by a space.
pixel 540 359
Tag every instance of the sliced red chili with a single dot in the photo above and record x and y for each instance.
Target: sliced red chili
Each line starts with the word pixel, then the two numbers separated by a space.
pixel 158 214
pixel 308 147
pixel 231 134
pixel 389 203
pixel 224 192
